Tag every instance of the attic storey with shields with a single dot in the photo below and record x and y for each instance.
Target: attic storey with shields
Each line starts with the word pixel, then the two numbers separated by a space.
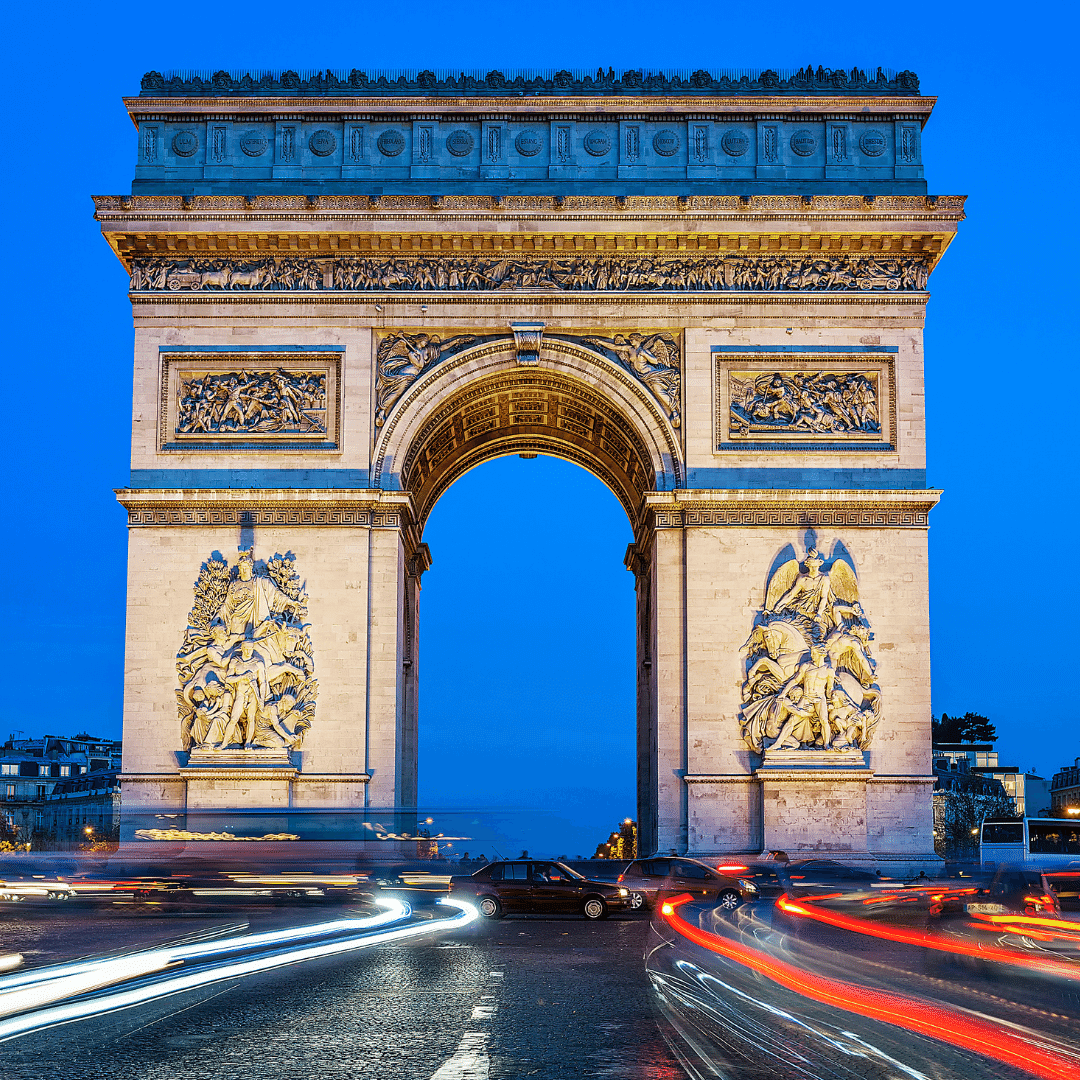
pixel 707 289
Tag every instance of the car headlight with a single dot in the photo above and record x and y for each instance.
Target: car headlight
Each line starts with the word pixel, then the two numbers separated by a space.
pixel 624 892
pixel 749 886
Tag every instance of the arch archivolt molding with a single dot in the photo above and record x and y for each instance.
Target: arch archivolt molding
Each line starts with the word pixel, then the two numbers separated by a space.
pixel 483 403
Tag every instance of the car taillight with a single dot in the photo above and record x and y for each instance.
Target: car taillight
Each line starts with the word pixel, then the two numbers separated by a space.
pixel 731 868
pixel 619 878
pixel 1042 902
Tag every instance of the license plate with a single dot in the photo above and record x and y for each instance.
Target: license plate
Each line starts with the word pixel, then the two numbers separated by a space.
pixel 985 909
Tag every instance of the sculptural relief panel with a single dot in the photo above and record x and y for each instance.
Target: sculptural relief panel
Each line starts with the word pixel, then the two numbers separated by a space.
pixel 260 400
pixel 246 667
pixel 830 400
pixel 810 680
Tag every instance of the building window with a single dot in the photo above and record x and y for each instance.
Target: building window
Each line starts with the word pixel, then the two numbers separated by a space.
pixel 9 768
pixel 11 791
pixel 65 770
pixel 41 791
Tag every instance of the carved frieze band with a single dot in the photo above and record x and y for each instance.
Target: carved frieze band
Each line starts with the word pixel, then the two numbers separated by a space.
pixel 261 515
pixel 857 517
pixel 720 272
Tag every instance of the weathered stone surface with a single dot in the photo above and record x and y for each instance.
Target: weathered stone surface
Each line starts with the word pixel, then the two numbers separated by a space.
pixel 420 386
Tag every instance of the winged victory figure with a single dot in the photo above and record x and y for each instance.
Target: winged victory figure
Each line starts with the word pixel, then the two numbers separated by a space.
pixel 655 361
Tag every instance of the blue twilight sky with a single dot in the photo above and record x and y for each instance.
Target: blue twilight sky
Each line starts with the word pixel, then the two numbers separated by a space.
pixel 527 627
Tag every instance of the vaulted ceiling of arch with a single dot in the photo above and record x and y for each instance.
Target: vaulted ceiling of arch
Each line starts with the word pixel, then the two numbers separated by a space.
pixel 527 411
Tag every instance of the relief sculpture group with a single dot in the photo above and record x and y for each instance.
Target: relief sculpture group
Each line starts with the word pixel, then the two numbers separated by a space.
pixel 258 402
pixel 818 273
pixel 818 402
pixel 653 359
pixel 810 682
pixel 245 667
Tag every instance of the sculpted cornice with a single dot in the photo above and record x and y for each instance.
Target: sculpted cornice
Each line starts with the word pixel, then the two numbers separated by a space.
pixel 702 106
pixel 554 208
pixel 363 507
pixel 858 508
pixel 709 301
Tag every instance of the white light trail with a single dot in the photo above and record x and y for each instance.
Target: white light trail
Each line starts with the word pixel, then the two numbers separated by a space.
pixel 395 911
pixel 123 999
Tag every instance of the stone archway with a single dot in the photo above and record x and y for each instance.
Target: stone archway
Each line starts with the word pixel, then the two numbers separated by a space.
pixel 485 402
pixel 569 402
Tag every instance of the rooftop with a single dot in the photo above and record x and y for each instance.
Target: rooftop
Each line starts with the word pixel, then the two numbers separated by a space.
pixel 631 82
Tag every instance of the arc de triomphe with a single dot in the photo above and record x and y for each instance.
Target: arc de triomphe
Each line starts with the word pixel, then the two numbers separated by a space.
pixel 710 292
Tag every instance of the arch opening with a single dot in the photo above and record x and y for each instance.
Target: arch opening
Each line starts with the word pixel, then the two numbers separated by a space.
pixel 484 403
pixel 526 693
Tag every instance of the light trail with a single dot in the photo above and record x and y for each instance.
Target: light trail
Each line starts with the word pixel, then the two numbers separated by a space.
pixel 166 984
pixel 395 911
pixel 943 1023
pixel 925 940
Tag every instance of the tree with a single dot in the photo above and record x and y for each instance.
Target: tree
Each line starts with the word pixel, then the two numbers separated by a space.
pixel 9 836
pixel 971 727
pixel 958 818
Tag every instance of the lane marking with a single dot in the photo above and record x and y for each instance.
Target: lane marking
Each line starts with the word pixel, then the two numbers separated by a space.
pixel 469 1061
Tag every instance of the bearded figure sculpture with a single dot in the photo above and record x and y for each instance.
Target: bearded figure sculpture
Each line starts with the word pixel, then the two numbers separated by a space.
pixel 810 678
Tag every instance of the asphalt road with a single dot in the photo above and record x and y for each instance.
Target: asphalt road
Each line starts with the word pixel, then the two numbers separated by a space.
pixel 528 996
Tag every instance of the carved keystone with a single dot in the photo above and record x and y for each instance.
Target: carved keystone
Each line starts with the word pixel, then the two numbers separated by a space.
pixel 528 336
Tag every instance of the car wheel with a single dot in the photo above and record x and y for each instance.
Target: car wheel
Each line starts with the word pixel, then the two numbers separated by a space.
pixel 637 901
pixel 729 900
pixel 595 908
pixel 490 908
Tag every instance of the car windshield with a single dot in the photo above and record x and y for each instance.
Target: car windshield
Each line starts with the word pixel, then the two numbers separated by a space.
pixel 570 873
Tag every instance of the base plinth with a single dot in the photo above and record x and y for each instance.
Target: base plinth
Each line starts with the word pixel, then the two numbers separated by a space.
pixel 813 760
pixel 814 801
pixel 239 759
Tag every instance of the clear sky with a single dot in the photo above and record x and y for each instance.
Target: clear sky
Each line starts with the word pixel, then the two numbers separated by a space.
pixel 527 690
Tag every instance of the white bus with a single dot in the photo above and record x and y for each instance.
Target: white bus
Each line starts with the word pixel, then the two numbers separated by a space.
pixel 1042 841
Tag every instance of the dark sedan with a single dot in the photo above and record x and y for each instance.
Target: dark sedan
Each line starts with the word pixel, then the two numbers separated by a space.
pixel 506 888
pixel 647 879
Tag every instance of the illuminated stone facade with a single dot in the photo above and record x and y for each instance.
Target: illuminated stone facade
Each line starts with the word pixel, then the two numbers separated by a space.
pixel 709 293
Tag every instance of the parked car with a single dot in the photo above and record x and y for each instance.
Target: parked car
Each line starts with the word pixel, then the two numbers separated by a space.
pixel 535 886
pixel 648 878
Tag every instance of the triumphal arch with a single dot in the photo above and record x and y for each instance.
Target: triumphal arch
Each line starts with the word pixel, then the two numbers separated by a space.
pixel 708 290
